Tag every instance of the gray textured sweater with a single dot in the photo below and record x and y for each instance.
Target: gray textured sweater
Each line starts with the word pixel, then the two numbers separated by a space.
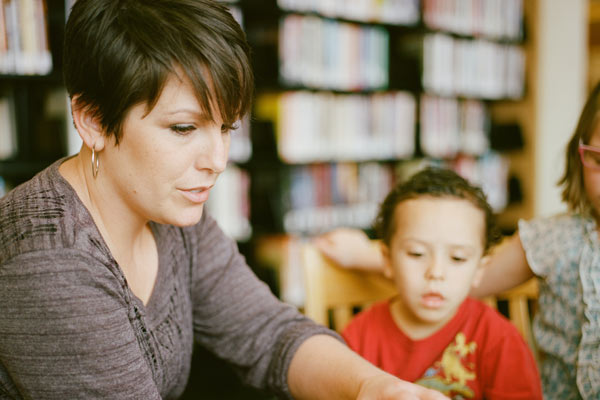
pixel 71 328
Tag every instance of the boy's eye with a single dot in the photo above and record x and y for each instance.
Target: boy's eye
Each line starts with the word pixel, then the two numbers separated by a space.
pixel 182 129
pixel 415 254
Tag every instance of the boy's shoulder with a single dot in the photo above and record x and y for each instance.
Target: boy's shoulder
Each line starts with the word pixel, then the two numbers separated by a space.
pixel 376 311
pixel 486 323
pixel 377 314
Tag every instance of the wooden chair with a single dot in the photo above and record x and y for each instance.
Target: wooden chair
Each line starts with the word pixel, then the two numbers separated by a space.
pixel 519 300
pixel 331 288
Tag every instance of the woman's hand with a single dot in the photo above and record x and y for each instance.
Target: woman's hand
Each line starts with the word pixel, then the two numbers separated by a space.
pixel 387 387
pixel 350 248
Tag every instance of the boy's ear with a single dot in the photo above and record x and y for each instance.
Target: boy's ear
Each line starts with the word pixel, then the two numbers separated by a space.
pixel 87 124
pixel 387 263
pixel 483 263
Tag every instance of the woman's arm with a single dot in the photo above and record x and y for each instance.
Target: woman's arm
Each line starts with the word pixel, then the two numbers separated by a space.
pixel 506 269
pixel 323 368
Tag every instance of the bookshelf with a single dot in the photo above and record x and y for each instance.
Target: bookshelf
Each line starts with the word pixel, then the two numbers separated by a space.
pixel 363 96
pixel 32 122
pixel 350 100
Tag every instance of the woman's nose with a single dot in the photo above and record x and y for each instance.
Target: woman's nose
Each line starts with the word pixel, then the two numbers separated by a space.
pixel 215 151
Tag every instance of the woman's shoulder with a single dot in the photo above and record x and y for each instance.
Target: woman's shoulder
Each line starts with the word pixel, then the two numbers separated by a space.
pixel 44 214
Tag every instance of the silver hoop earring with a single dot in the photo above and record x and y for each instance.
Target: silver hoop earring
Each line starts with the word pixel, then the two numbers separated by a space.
pixel 95 162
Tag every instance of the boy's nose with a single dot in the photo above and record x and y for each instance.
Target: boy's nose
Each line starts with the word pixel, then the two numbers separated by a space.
pixel 436 270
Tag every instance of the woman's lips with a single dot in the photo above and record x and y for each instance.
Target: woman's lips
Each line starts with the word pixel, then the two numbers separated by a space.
pixel 196 195
pixel 432 300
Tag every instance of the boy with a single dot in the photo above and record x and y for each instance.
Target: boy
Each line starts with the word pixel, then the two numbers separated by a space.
pixel 436 230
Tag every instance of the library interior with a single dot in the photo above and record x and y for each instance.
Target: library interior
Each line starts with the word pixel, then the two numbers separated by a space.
pixel 351 97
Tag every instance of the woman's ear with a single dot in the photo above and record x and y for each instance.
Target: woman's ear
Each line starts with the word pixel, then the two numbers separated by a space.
pixel 387 263
pixel 87 124
pixel 483 263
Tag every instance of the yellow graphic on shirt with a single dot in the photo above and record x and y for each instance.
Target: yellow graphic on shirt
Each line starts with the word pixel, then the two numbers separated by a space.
pixel 450 375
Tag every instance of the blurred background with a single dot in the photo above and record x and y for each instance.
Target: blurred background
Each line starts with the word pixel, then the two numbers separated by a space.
pixel 351 96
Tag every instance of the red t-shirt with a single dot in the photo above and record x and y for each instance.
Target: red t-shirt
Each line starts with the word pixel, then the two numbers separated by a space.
pixel 478 354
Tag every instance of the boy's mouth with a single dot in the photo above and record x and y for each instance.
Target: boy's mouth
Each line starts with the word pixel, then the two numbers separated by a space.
pixel 432 300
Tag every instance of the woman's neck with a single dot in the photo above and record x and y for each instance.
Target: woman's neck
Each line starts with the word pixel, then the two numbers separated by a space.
pixel 129 238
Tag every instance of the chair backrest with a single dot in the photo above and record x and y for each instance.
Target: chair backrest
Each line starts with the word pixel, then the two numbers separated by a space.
pixel 332 288
pixel 519 300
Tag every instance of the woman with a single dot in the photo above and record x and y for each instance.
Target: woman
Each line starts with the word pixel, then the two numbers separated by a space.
pixel 109 270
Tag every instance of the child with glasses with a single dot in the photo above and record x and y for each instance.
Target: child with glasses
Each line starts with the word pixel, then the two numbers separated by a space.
pixel 436 230
pixel 562 251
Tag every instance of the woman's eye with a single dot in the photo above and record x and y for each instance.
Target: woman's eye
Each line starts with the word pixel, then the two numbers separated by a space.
pixel 182 129
pixel 229 128
pixel 415 254
pixel 458 259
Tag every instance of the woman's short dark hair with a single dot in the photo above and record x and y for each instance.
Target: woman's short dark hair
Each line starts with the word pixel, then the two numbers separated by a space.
pixel 119 53
pixel 573 190
pixel 435 182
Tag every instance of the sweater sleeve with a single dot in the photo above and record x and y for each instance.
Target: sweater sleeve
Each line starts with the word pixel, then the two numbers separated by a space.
pixel 509 368
pixel 65 332
pixel 238 318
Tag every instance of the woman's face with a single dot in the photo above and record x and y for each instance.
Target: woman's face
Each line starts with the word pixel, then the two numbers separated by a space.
pixel 167 160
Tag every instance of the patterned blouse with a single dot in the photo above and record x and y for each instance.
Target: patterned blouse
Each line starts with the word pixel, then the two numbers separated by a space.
pixel 564 252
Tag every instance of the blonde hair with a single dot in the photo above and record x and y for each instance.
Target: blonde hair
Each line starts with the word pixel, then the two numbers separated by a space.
pixel 573 188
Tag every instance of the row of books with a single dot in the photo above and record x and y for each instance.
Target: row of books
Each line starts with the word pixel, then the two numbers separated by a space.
pixel 322 53
pixel 322 126
pixel 229 203
pixel 396 12
pixel 321 197
pixel 24 48
pixel 495 19
pixel 472 68
pixel 450 126
pixel 490 172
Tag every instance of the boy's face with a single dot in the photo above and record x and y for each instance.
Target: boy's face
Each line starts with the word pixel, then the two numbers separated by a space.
pixel 434 257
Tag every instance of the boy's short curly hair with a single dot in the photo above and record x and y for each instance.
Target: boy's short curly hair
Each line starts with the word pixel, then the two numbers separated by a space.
pixel 435 182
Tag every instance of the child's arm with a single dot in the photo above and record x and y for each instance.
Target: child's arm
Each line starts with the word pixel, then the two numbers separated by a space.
pixel 350 248
pixel 506 269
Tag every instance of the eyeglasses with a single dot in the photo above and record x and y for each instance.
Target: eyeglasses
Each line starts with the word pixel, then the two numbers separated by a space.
pixel 590 156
